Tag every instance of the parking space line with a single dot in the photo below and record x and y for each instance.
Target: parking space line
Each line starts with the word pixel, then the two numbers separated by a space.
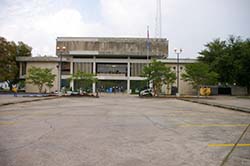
pixel 25 113
pixel 213 125
pixel 40 114
pixel 7 123
pixel 227 145
pixel 10 113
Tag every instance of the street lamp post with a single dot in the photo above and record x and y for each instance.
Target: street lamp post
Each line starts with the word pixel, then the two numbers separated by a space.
pixel 148 45
pixel 60 51
pixel 178 51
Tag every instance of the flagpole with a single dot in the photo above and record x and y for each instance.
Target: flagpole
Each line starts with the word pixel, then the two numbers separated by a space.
pixel 148 45
pixel 148 83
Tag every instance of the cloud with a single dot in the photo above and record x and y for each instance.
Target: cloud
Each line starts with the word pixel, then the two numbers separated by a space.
pixel 64 22
pixel 37 23
pixel 187 24
pixel 128 17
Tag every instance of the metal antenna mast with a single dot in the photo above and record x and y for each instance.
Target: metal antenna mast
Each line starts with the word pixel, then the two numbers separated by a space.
pixel 158 19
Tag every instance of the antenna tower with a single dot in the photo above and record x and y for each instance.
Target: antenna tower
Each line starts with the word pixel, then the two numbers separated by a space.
pixel 158 19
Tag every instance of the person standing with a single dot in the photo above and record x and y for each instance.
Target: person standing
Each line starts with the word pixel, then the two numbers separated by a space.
pixel 14 90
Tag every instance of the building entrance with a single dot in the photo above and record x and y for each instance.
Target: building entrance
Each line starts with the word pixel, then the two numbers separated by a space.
pixel 112 86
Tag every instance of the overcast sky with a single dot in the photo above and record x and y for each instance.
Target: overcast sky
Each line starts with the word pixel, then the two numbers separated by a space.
pixel 187 24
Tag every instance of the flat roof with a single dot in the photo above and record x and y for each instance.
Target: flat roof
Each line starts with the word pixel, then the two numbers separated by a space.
pixel 113 46
pixel 107 38
pixel 40 59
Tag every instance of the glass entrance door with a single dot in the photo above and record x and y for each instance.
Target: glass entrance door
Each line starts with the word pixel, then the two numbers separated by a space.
pixel 112 86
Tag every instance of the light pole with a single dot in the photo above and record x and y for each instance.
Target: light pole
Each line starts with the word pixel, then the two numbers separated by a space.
pixel 148 45
pixel 178 51
pixel 60 51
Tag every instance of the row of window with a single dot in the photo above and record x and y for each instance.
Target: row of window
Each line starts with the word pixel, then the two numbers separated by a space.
pixel 135 69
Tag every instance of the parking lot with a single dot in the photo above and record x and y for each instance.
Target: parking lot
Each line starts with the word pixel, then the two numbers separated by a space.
pixel 122 130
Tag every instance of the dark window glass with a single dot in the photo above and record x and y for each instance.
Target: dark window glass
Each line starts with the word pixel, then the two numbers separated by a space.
pixel 23 66
pixel 112 68
pixel 65 68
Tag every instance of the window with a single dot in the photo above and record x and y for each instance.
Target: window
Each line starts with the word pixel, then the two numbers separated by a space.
pixel 119 69
pixel 65 68
pixel 85 67
pixel 23 68
pixel 137 68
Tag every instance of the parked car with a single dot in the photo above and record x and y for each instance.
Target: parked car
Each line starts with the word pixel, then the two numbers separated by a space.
pixel 146 92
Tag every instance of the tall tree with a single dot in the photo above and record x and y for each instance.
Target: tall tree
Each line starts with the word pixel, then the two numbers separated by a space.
pixel 198 74
pixel 213 50
pixel 40 77
pixel 8 66
pixel 215 55
pixel 159 74
pixel 23 49
pixel 242 76
pixel 230 59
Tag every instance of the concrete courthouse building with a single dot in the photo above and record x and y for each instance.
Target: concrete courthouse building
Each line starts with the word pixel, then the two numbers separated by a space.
pixel 117 63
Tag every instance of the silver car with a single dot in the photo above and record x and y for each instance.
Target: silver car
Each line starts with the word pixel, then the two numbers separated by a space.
pixel 146 92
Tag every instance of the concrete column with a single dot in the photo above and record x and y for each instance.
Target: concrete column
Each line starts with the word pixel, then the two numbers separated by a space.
pixel 20 69
pixel 71 73
pixel 128 76
pixel 58 78
pixel 94 72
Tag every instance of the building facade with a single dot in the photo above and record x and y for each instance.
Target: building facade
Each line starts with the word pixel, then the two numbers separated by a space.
pixel 116 62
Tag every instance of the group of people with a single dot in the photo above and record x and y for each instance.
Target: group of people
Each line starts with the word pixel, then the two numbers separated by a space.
pixel 114 89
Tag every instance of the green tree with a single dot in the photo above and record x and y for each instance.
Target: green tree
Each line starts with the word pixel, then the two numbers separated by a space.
pixel 230 59
pixel 8 66
pixel 170 80
pixel 242 76
pixel 159 74
pixel 84 78
pixel 216 56
pixel 198 74
pixel 50 84
pixel 40 77
pixel 213 50
pixel 23 49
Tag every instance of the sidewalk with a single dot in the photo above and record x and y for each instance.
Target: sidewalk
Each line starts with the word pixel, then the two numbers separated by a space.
pixel 228 102
pixel 10 99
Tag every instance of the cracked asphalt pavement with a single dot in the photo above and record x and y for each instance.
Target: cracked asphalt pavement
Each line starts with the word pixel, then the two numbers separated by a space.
pixel 120 130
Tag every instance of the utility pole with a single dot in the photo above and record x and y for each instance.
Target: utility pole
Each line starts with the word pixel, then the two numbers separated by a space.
pixel 60 52
pixel 178 51
pixel 158 31
pixel 148 45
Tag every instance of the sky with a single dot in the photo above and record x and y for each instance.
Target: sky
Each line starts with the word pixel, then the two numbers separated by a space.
pixel 187 24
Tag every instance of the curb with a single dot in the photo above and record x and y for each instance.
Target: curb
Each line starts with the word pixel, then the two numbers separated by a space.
pixel 241 109
pixel 27 101
pixel 174 97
